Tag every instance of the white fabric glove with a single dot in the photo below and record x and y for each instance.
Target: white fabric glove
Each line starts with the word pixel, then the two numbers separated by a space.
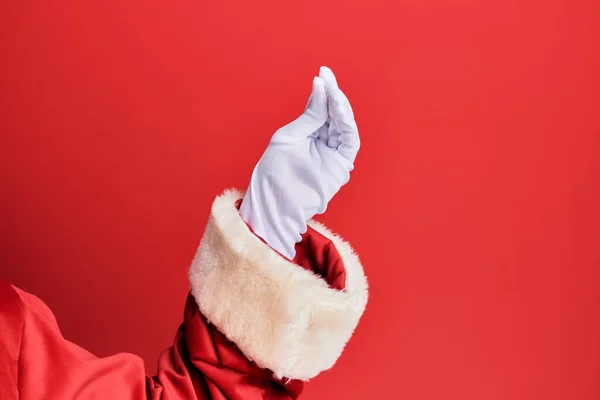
pixel 305 165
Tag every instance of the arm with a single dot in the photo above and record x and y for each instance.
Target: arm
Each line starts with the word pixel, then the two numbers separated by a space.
pixel 255 326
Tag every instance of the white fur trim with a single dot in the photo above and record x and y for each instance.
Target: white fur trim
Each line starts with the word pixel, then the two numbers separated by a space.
pixel 281 316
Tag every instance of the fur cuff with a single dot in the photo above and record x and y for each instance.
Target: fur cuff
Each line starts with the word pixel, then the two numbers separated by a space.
pixel 281 316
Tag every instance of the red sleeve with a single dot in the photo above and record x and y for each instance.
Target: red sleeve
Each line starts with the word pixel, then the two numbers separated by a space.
pixel 36 362
pixel 208 360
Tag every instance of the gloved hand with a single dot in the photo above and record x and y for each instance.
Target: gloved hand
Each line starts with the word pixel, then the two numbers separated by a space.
pixel 305 165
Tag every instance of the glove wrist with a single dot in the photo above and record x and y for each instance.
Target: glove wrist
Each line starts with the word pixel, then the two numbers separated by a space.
pixel 280 229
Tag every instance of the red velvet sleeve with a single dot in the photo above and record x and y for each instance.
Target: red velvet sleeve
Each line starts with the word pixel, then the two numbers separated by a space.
pixel 36 362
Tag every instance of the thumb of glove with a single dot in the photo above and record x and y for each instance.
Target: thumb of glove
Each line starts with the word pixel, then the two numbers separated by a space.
pixel 311 120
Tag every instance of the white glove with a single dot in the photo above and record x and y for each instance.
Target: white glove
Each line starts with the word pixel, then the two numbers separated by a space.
pixel 305 165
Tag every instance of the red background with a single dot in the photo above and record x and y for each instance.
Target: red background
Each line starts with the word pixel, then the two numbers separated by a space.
pixel 474 204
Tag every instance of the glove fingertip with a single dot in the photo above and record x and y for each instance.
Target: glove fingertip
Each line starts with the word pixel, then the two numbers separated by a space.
pixel 318 81
pixel 329 78
pixel 318 100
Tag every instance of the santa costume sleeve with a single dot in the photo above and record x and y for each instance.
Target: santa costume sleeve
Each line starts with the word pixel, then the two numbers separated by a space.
pixel 255 325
